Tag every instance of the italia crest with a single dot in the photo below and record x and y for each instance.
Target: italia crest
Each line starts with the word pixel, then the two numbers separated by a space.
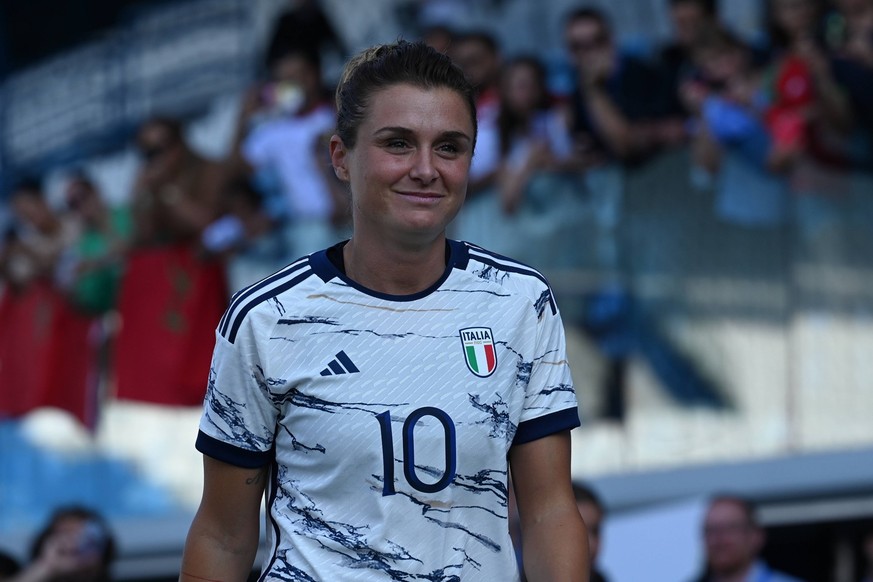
pixel 479 352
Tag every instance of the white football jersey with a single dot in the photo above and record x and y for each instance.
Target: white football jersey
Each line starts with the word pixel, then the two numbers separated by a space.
pixel 387 420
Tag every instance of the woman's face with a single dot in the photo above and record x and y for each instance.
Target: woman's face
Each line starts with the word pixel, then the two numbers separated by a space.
pixel 409 167
pixel 522 92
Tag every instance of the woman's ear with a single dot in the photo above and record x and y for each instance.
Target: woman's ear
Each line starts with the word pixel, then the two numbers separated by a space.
pixel 338 155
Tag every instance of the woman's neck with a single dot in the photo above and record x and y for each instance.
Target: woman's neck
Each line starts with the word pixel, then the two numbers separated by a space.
pixel 393 269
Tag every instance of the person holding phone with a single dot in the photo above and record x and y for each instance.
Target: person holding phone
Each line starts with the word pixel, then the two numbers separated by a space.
pixel 76 545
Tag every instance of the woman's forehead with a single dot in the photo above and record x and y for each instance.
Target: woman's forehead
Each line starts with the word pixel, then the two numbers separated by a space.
pixel 419 107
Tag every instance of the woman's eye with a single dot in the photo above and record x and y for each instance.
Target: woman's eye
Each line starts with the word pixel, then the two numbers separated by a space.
pixel 449 148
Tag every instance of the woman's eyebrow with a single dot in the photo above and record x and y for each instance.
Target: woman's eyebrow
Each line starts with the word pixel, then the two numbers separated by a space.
pixel 394 130
pixel 406 132
pixel 457 135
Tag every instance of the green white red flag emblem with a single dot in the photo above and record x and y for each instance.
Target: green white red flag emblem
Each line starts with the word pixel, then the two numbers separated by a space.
pixel 479 352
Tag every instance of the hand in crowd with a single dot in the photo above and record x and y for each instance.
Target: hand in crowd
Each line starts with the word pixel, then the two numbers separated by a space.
pixel 539 157
pixel 598 68
pixel 65 556
pixel 252 101
pixel 586 154
pixel 670 132
pixel 693 93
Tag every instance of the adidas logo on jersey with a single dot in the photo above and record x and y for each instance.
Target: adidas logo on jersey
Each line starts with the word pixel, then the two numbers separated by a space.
pixel 340 364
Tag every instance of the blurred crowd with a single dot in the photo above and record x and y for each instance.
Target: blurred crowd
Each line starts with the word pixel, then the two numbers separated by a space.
pixel 122 301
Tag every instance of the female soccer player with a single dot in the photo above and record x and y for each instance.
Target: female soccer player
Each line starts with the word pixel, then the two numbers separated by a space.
pixel 380 390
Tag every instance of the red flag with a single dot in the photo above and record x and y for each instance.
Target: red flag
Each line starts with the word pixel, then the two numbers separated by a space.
pixel 25 347
pixel 74 376
pixel 47 354
pixel 170 304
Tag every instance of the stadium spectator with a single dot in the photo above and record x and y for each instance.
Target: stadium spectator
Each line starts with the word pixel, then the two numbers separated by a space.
pixel 691 20
pixel 612 116
pixel 246 237
pixel 733 540
pixel 75 546
pixel 533 135
pixel 39 324
pixel 479 55
pixel 176 191
pixel 613 112
pixel 92 265
pixel 170 299
pixel 808 110
pixel 36 240
pixel 280 135
pixel 811 111
pixel 439 36
pixel 303 25
pixel 539 203
pixel 849 30
pixel 591 508
pixel 732 141
pixel 852 32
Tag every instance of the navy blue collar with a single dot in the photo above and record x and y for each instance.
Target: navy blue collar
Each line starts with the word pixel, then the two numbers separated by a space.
pixel 321 263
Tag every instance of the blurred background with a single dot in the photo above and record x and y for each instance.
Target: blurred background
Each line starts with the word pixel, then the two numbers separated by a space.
pixel 694 178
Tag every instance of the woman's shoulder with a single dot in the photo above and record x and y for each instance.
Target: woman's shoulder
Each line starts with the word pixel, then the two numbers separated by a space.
pixel 268 300
pixel 510 274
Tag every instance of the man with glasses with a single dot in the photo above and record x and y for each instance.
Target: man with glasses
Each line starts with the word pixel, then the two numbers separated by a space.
pixel 733 541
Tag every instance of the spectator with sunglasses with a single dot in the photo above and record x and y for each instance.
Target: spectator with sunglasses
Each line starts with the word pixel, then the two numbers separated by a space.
pixel 170 295
pixel 612 117
pixel 176 193
pixel 612 107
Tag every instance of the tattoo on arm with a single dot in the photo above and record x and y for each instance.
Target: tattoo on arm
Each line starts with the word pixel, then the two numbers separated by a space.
pixel 255 479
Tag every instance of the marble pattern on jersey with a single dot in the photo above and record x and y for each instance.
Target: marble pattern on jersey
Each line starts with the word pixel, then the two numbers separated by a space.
pixel 283 569
pixel 542 301
pixel 427 509
pixel 491 273
pixel 299 399
pixel 232 416
pixel 497 416
pixel 348 542
pixel 484 481
pixel 496 275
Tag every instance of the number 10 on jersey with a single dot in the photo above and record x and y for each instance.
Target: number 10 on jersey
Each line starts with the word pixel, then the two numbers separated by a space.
pixel 409 468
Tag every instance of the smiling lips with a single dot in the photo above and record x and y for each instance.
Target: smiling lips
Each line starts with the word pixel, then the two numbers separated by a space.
pixel 423 196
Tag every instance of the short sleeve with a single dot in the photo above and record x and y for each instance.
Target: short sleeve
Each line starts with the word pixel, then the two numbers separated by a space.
pixel 239 414
pixel 550 399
